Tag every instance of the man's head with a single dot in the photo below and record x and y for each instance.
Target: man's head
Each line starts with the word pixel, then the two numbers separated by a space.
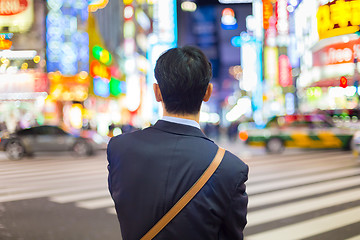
pixel 183 75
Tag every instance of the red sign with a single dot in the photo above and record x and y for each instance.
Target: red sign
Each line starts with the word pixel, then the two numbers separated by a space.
pixel 285 78
pixel 98 69
pixel 12 7
pixel 40 82
pixel 343 82
pixel 337 53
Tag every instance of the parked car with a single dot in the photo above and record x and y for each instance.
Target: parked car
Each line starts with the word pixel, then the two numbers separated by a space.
pixel 301 130
pixel 49 139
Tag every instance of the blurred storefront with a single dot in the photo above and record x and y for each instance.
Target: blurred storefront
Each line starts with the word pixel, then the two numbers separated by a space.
pixel 67 53
pixel 23 79
pixel 331 45
pixel 310 55
pixel 149 28
pixel 268 61
pixel 280 57
pixel 106 80
pixel 119 65
pixel 109 83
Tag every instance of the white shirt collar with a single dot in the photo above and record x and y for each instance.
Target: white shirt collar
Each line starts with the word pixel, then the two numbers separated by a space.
pixel 181 121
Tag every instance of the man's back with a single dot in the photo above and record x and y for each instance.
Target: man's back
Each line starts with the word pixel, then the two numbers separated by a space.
pixel 151 169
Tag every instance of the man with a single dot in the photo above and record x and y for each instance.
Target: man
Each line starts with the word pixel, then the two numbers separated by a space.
pixel 151 169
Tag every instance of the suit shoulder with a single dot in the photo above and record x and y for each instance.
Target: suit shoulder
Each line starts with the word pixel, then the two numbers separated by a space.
pixel 129 135
pixel 234 163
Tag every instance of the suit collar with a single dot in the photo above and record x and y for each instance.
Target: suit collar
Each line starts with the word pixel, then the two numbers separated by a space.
pixel 180 129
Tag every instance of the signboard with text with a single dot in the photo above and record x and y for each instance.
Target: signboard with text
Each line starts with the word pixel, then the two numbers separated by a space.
pixel 267 13
pixel 282 16
pixel 16 15
pixel 12 7
pixel 337 53
pixel 285 77
pixel 26 82
pixel 338 17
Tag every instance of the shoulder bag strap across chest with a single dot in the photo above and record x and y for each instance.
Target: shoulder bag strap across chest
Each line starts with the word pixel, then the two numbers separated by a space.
pixel 185 199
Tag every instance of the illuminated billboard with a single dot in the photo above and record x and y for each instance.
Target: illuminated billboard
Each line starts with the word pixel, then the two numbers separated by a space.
pixel 338 17
pixel 16 15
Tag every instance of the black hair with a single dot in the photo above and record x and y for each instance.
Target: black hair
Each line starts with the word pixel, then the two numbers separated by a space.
pixel 183 75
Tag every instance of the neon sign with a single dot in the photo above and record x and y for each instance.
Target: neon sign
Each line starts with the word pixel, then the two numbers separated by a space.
pixel 102 55
pixel 94 5
pixel 282 16
pixel 96 69
pixel 116 87
pixel 5 42
pixel 271 66
pixel 285 78
pixel 67 55
pixel 338 18
pixel 343 82
pixel 337 53
pixel 228 20
pixel 267 13
pixel 12 7
pixel 101 87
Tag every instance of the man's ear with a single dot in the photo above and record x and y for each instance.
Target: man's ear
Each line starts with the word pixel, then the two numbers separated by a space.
pixel 208 92
pixel 157 92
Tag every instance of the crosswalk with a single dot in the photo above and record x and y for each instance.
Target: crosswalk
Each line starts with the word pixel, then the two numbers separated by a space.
pixel 79 181
pixel 304 196
pixel 311 195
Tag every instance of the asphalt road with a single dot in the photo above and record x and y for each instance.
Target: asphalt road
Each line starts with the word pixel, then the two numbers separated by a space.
pixel 296 195
pixel 28 206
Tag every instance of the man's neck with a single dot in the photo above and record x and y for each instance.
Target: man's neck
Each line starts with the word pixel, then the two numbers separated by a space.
pixel 195 117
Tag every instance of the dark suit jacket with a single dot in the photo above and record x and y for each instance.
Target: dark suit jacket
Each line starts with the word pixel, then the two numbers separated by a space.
pixel 151 169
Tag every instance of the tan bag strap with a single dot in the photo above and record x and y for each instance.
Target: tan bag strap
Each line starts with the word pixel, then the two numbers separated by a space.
pixel 185 199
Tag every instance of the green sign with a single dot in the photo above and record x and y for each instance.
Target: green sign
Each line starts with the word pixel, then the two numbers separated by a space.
pixel 102 55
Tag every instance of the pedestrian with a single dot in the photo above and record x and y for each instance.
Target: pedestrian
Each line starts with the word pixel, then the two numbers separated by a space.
pixel 151 169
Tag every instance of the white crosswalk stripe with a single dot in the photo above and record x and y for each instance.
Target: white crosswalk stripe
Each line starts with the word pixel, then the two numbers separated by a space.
pixel 311 227
pixel 291 196
pixel 80 196
pixel 303 191
pixel 292 209
pixel 296 181
pixel 96 203
pixel 37 193
pixel 82 182
pixel 295 172
pixel 354 238
pixel 302 198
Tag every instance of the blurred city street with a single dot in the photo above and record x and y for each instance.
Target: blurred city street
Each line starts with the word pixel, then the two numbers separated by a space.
pixel 300 194
pixel 285 89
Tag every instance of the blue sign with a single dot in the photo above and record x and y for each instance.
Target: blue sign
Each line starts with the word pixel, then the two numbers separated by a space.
pixel 101 87
pixel 236 41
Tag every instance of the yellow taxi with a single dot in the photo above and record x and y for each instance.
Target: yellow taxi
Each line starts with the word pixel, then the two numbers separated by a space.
pixel 301 131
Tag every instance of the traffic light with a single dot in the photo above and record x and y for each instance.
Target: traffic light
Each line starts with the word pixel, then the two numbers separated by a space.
pixel 343 82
